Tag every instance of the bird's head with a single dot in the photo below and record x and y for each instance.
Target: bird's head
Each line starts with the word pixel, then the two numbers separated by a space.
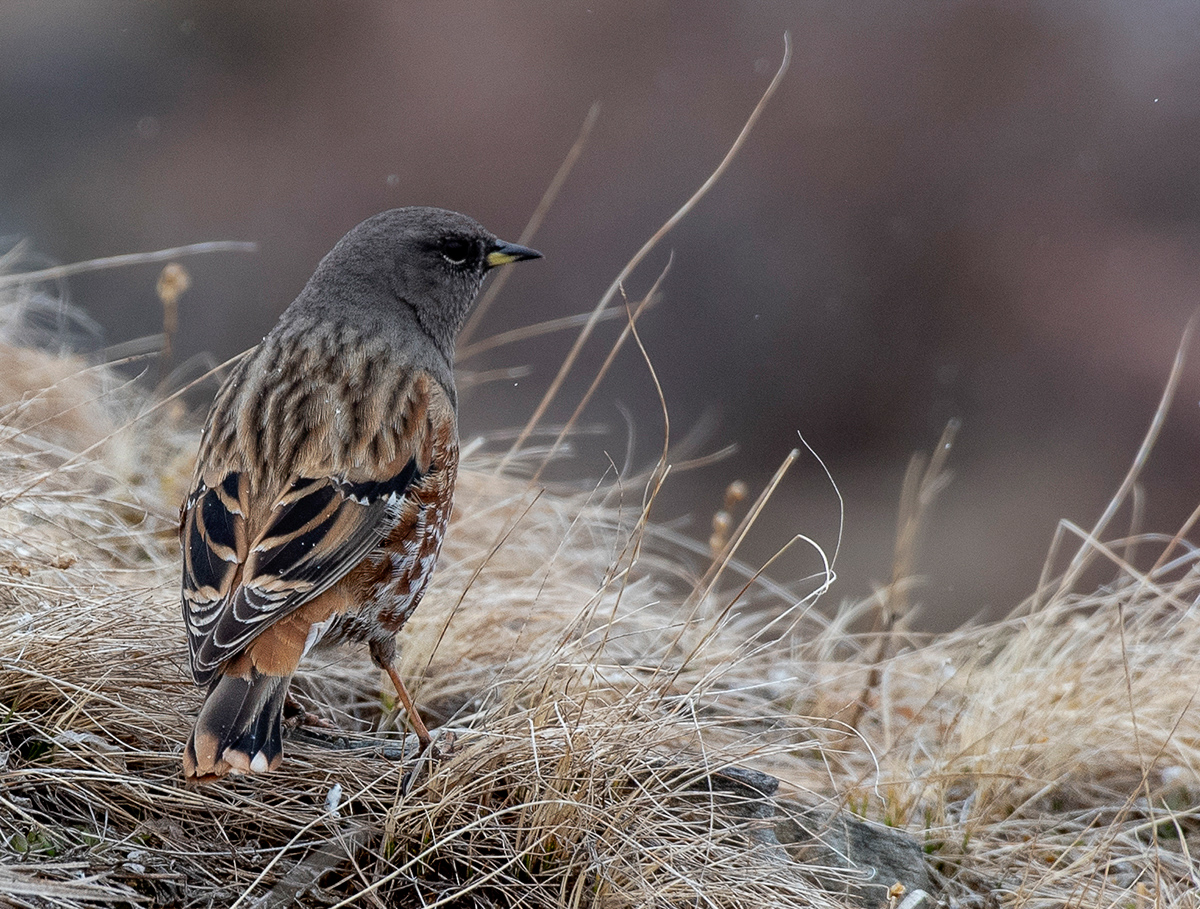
pixel 429 261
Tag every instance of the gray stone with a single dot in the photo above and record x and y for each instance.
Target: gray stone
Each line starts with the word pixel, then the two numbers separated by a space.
pixel 876 856
pixel 844 854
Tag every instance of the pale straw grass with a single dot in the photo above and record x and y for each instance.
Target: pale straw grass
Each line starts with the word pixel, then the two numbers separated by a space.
pixel 594 668
pixel 597 668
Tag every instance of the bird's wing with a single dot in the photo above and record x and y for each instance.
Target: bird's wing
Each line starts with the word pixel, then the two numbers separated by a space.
pixel 249 563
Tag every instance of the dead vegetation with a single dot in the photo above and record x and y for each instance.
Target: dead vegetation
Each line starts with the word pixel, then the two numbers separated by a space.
pixel 606 680
pixel 596 671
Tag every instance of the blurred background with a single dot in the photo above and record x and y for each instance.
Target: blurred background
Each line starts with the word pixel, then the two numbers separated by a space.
pixel 979 210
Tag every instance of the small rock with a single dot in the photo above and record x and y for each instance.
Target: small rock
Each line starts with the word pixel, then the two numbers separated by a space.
pixel 872 864
pixel 880 856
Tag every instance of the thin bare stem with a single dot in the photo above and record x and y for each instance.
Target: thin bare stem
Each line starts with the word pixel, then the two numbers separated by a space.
pixel 922 482
pixel 622 278
pixel 718 565
pixel 1084 554
pixel 161 255
pixel 626 332
pixel 533 331
pixel 535 221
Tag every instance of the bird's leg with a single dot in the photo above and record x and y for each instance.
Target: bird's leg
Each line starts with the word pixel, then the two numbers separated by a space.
pixel 410 708
pixel 423 734
pixel 383 653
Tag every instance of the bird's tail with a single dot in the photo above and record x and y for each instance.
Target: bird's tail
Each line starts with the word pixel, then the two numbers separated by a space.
pixel 239 728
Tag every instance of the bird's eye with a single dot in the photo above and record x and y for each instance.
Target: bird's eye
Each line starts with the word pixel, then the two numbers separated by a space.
pixel 455 250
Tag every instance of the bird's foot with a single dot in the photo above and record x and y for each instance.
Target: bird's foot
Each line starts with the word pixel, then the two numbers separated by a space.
pixel 444 747
pixel 295 714
pixel 430 753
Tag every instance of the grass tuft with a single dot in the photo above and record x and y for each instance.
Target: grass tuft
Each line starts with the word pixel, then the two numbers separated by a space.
pixel 601 675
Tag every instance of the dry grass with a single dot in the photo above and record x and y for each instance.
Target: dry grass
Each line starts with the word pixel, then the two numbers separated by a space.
pixel 598 670
pixel 1051 759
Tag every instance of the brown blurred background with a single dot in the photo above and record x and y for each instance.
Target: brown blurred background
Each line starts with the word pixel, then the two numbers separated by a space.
pixel 981 210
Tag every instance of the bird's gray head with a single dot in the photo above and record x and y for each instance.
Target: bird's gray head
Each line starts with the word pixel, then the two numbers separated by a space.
pixel 424 262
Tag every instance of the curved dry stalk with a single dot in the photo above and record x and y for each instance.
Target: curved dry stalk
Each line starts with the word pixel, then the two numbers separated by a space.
pixel 1083 555
pixel 161 255
pixel 629 330
pixel 640 255
pixel 525 332
pixel 923 480
pixel 535 221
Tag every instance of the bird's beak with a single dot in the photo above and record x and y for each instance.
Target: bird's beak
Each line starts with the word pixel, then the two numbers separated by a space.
pixel 503 253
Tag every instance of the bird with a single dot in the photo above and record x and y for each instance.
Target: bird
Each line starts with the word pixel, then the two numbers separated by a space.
pixel 325 477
